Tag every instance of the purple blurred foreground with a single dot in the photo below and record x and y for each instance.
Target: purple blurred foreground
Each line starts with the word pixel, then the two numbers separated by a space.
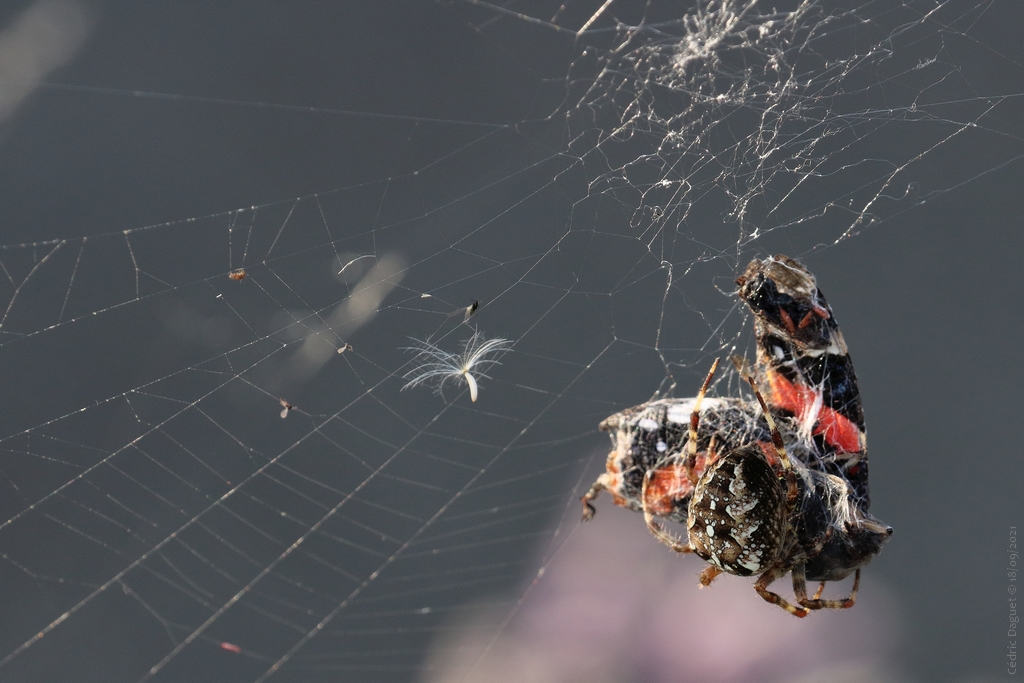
pixel 615 605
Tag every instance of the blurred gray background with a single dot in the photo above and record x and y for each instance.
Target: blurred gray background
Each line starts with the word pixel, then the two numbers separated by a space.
pixel 141 384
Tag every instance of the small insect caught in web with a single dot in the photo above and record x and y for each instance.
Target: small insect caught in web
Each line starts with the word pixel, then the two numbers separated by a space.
pixel 467 312
pixel 286 408
pixel 238 274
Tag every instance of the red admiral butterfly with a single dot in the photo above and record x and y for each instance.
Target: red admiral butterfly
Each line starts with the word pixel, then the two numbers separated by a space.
pixel 769 488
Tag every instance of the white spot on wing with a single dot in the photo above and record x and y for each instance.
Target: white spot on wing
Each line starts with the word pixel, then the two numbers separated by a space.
pixel 679 413
pixel 648 424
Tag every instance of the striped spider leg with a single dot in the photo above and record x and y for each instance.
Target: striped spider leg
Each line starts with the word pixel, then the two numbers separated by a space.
pixel 677 544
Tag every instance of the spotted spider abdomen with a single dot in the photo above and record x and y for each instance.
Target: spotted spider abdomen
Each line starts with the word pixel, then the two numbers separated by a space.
pixel 737 515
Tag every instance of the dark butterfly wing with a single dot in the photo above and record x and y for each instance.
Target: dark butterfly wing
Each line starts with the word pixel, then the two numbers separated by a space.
pixel 805 367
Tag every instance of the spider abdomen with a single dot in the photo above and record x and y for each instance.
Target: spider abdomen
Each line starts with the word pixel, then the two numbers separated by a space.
pixel 736 517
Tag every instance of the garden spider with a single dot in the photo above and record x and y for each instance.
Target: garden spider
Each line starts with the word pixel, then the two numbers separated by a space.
pixel 744 515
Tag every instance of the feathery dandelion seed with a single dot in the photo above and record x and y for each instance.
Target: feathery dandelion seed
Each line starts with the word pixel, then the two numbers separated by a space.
pixel 434 365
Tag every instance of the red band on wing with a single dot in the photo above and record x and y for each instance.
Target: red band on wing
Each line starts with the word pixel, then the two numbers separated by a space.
pixel 839 432
pixel 667 485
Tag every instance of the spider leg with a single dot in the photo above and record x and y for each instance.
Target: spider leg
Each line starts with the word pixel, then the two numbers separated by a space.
pixel 800 586
pixel 799 582
pixel 709 574
pixel 740 363
pixel 594 492
pixel 816 602
pixel 691 447
pixel 766 580
pixel 677 544
pixel 780 449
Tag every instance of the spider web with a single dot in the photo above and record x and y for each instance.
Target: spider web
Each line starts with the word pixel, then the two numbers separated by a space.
pixel 217 477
